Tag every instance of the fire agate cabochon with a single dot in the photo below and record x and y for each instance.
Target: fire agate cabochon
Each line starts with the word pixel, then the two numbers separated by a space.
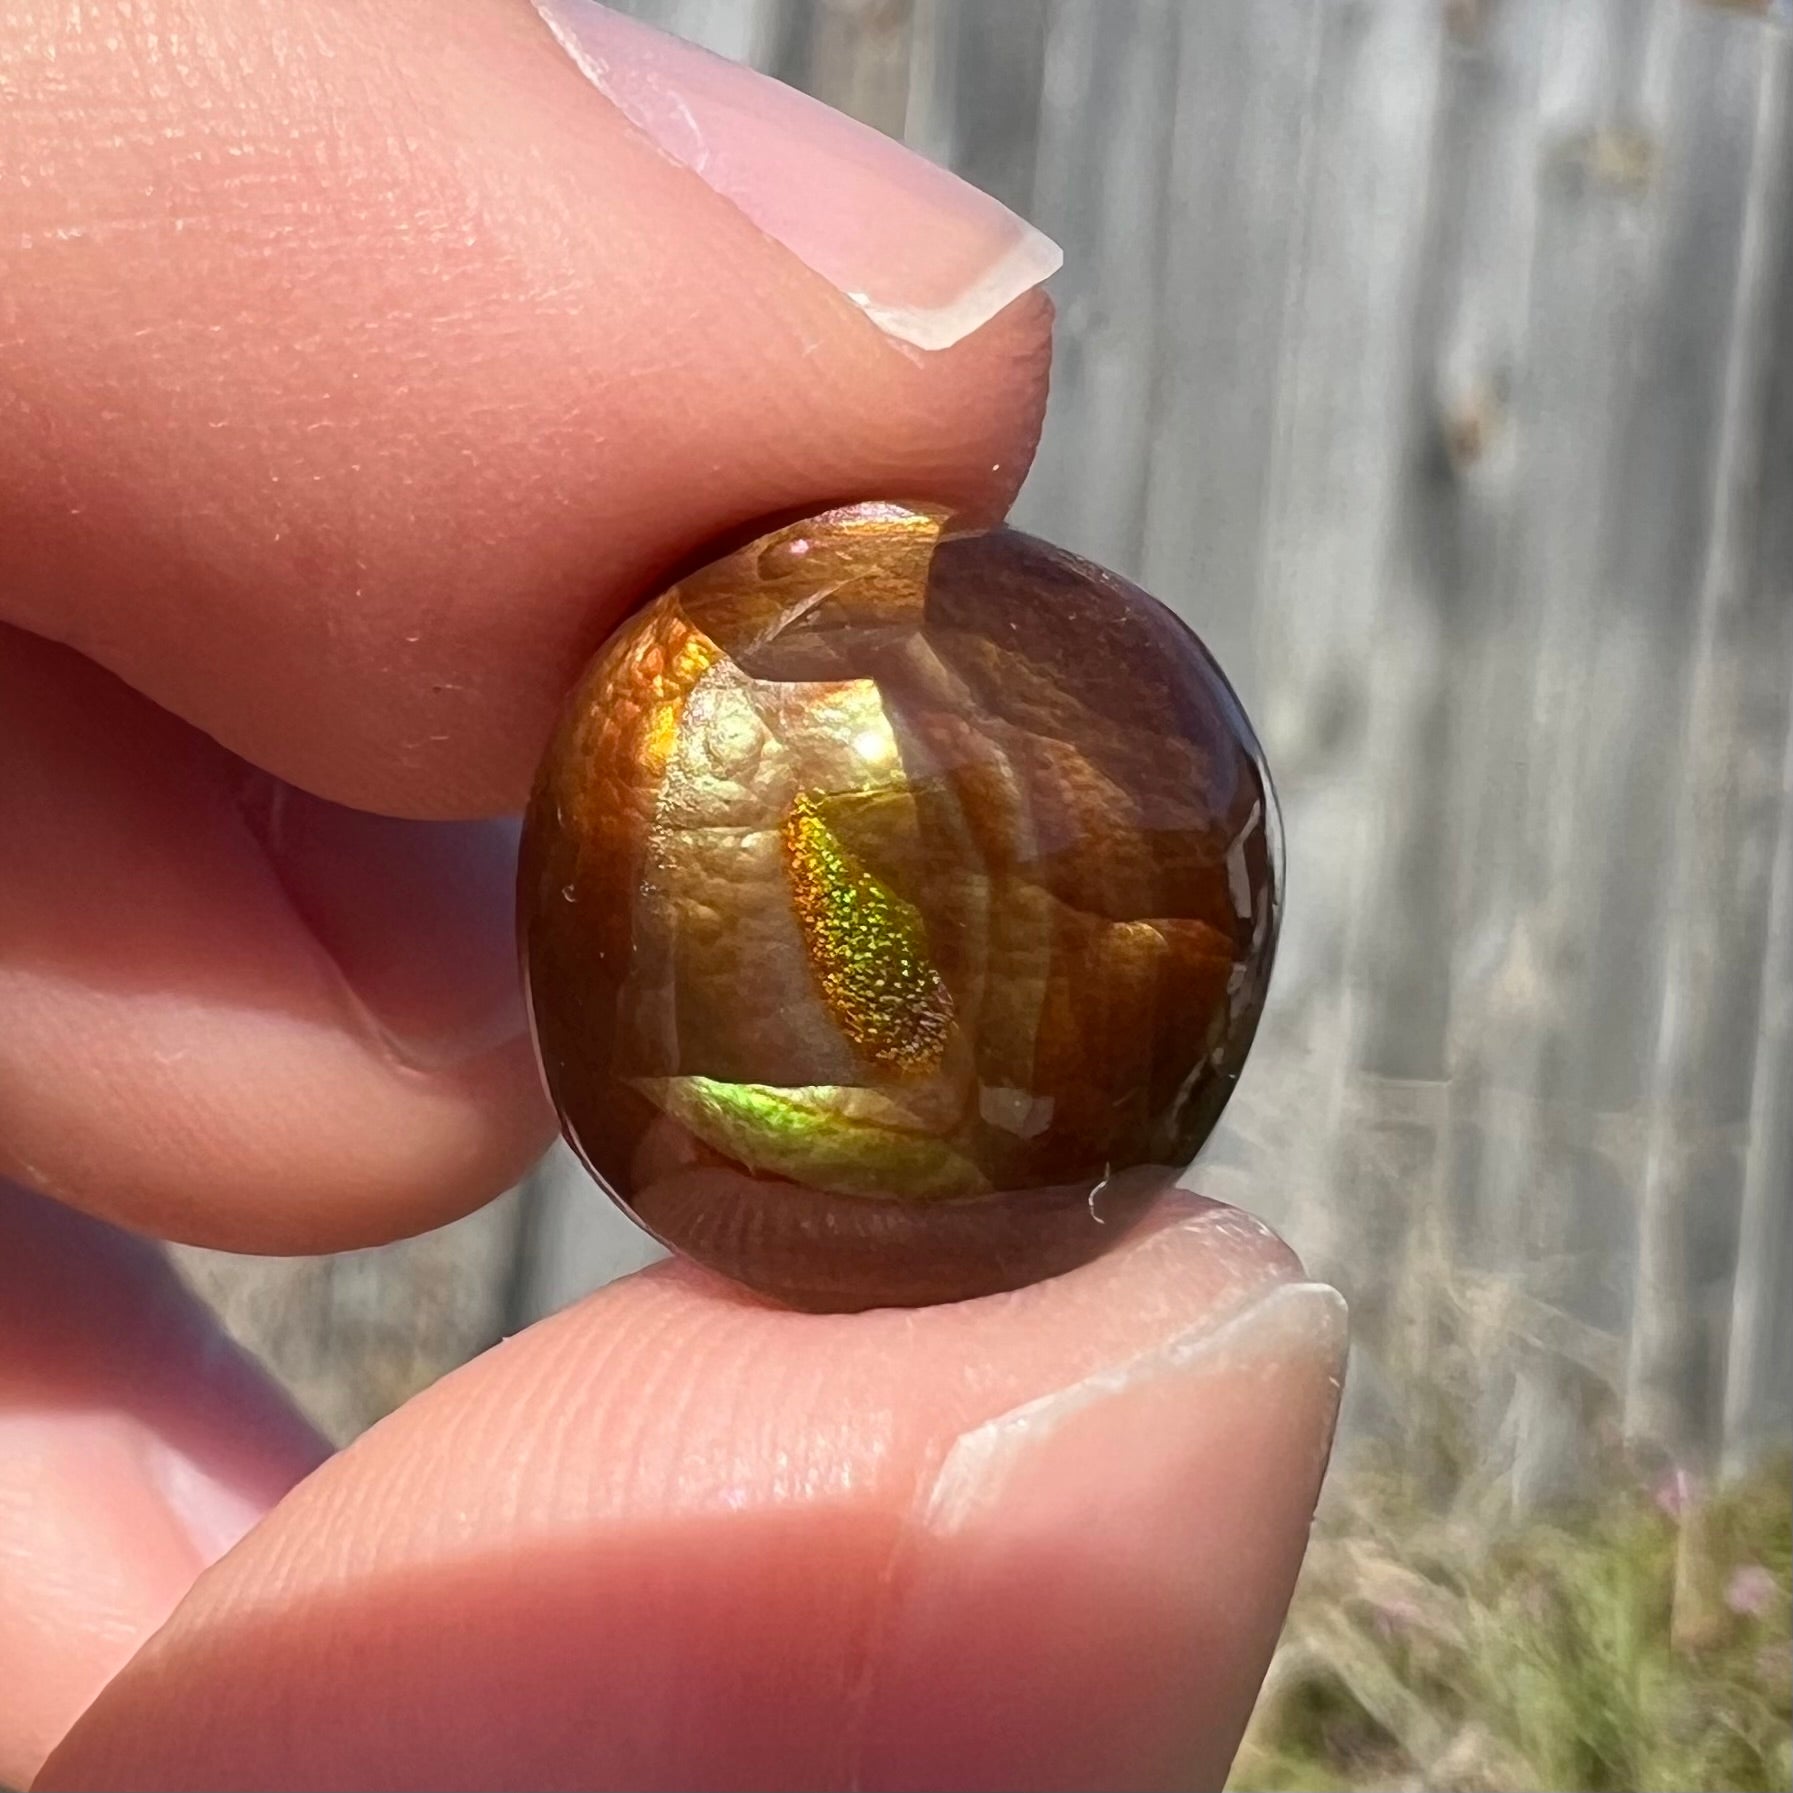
pixel 898 904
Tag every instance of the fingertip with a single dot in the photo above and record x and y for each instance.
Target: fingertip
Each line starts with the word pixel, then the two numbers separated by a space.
pixel 1125 1547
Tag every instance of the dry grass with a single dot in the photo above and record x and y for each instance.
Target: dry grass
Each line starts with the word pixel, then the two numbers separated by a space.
pixel 1634 1643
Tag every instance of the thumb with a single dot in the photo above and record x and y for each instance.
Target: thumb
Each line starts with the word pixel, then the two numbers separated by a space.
pixel 675 1538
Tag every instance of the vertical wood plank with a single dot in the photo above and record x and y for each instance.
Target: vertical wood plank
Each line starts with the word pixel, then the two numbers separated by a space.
pixel 1758 1407
pixel 1101 189
pixel 1528 892
pixel 977 77
pixel 1334 717
pixel 1244 99
pixel 1728 796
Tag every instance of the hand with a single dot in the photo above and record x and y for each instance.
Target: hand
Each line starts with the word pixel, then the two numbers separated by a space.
pixel 359 365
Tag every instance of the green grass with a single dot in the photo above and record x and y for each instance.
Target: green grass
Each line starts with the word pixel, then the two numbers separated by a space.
pixel 1616 1646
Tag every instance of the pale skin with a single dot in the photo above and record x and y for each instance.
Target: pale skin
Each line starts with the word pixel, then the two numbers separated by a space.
pixel 356 375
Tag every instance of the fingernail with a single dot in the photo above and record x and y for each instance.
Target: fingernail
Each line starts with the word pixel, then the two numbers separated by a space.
pixel 415 917
pixel 1124 1547
pixel 107 1476
pixel 213 1515
pixel 927 257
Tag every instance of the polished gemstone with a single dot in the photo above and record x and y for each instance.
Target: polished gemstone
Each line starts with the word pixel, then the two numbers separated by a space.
pixel 898 904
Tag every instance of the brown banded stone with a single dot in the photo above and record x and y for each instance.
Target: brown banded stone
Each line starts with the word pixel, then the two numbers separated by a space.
pixel 897 905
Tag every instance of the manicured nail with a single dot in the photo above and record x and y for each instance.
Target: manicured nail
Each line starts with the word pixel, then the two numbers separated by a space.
pixel 212 1514
pixel 925 256
pixel 109 1478
pixel 1127 1547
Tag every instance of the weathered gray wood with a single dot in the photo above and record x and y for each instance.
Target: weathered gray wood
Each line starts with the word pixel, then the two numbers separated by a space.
pixel 1241 149
pixel 574 1239
pixel 1531 875
pixel 746 30
pixel 1758 1405
pixel 977 90
pixel 1109 185
pixel 1726 803
pixel 1758 1390
pixel 1455 558
pixel 1345 687
pixel 355 1334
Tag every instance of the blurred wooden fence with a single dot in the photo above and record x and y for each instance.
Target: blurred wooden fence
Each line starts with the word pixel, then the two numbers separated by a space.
pixel 1435 359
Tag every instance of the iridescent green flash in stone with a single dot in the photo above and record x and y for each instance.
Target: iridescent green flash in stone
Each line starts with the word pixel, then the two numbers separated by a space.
pixel 868 947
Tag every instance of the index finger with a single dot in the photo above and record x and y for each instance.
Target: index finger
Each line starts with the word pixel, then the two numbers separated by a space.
pixel 356 370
